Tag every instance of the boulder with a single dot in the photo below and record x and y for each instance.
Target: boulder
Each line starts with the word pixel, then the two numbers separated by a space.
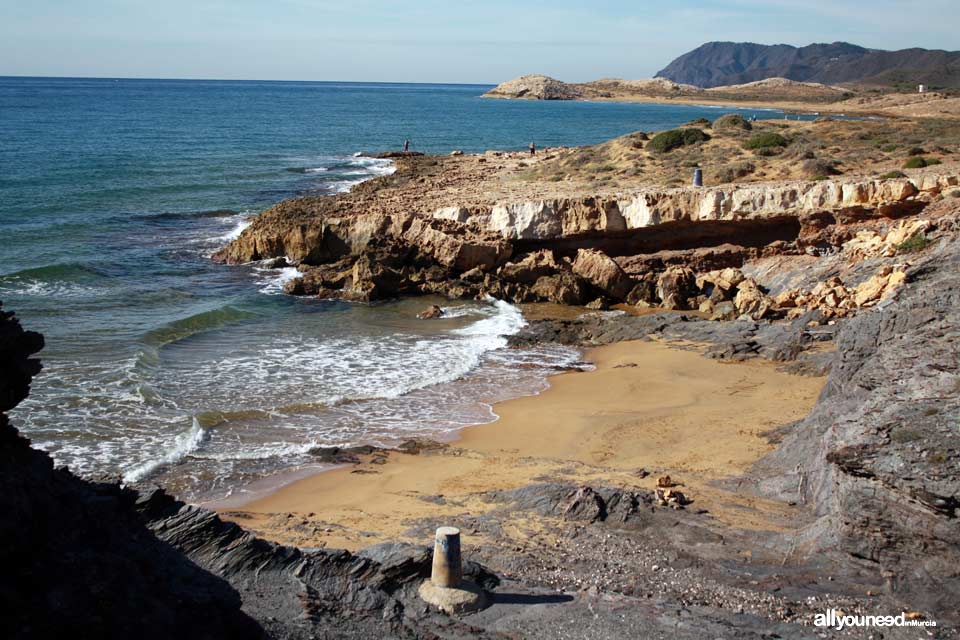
pixel 879 286
pixel 720 284
pixel 602 272
pixel 372 279
pixel 642 292
pixel 531 268
pixel 724 311
pixel 752 301
pixel 787 299
pixel 598 305
pixel 562 288
pixel 453 245
pixel 675 287
pixel 277 263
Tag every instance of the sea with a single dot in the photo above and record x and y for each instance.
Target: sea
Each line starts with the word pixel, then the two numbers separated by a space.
pixel 162 366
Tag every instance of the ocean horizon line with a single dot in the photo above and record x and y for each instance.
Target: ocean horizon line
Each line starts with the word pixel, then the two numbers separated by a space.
pixel 251 80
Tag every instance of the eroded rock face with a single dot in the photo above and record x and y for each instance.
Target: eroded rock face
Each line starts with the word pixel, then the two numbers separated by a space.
pixel 651 207
pixel 451 246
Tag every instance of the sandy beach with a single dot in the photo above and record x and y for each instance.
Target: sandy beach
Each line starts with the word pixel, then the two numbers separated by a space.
pixel 647 408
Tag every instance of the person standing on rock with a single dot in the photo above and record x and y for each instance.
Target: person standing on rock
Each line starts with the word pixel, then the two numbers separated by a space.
pixel 533 149
pixel 406 145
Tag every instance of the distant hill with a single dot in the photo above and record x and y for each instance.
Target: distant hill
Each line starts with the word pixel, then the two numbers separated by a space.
pixel 717 64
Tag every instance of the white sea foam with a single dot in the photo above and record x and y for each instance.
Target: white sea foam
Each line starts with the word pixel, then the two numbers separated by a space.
pixel 50 289
pixel 272 280
pixel 460 311
pixel 376 166
pixel 183 445
pixel 234 233
pixel 284 394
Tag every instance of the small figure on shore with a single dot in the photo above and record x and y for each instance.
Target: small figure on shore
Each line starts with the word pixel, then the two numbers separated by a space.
pixel 533 149
pixel 406 145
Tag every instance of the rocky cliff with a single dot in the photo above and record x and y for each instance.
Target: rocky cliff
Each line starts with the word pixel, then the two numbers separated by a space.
pixel 568 250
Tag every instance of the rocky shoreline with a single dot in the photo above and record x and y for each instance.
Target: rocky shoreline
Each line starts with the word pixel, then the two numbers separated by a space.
pixel 617 563
pixel 771 92
pixel 852 277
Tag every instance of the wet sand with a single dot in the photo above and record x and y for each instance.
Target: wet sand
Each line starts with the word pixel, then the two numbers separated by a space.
pixel 646 406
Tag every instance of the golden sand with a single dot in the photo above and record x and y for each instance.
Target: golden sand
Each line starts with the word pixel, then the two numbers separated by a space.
pixel 646 406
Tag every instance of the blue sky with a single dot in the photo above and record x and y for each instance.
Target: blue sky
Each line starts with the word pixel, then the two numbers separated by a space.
pixel 429 40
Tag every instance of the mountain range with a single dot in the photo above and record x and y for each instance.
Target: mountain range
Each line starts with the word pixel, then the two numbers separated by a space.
pixel 726 63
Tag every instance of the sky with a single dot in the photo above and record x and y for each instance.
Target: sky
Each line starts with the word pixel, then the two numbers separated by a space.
pixel 486 41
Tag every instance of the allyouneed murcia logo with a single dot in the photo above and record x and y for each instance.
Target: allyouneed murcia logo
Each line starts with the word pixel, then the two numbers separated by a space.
pixel 836 619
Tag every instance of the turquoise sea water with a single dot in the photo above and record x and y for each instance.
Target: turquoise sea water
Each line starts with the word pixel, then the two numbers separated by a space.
pixel 160 364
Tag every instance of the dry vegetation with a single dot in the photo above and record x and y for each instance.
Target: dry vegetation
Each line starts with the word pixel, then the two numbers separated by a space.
pixel 776 89
pixel 738 151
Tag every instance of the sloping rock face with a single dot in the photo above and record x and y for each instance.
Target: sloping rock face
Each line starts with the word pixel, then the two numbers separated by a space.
pixel 878 455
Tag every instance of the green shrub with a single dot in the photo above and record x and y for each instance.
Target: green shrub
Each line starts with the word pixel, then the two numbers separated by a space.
pixel 732 121
pixel 699 123
pixel 766 153
pixel 919 162
pixel 731 172
pixel 890 175
pixel 916 242
pixel 819 169
pixel 766 141
pixel 666 141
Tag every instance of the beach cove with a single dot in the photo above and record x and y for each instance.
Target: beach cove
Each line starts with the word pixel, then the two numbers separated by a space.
pixel 647 410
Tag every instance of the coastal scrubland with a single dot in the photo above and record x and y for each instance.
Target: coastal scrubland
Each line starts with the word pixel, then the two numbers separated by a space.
pixel 752 151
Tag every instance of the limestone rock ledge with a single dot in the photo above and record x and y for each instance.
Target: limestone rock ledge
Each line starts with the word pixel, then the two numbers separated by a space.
pixel 645 208
pixel 465 238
